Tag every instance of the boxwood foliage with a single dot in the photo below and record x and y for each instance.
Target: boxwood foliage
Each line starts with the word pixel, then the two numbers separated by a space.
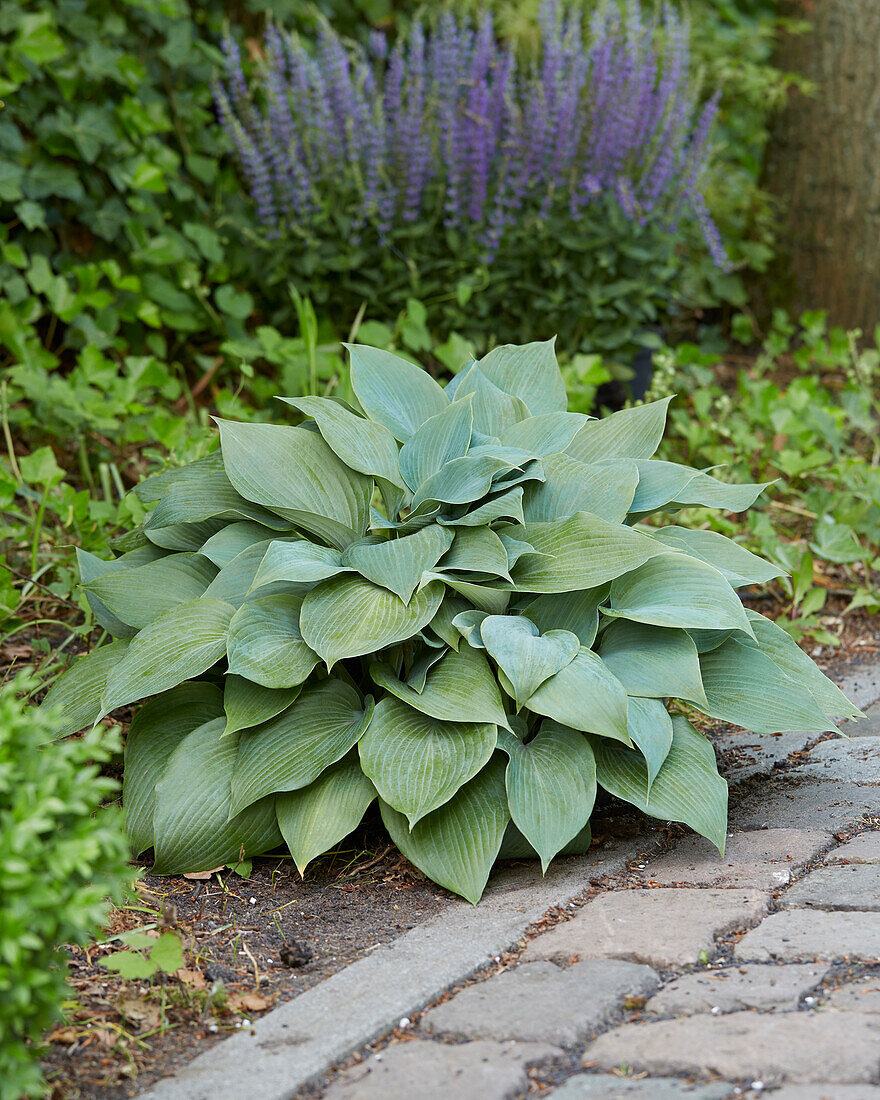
pixel 446 599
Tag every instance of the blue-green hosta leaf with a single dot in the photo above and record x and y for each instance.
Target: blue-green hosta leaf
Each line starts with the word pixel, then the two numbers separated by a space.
pixel 506 505
pixel 265 644
pixel 508 479
pixel 193 828
pixel 417 762
pixel 547 434
pixel 744 686
pixel 467 623
pixel 586 696
pixel 584 552
pixel 706 640
pixel 76 695
pixel 460 688
pixel 414 521
pixel 574 611
pixel 139 596
pixel 530 372
pixel 476 550
pixel 652 661
pixel 439 440
pixel 398 564
pixel 233 539
pixel 461 481
pixel 350 616
pixel 659 484
pixel 737 564
pixel 184 536
pixel 312 820
pixel 179 645
pixel 200 491
pixel 711 493
pixel 515 845
pixel 234 581
pixel 156 731
pixel 650 727
pixel 516 548
pixel 572 486
pixel 784 651
pixel 551 786
pixel 494 409
pixel 631 433
pixel 363 445
pixel 516 457
pixel 457 844
pixel 527 656
pixel 393 391
pixel 678 590
pixel 90 569
pixel 291 750
pixel 248 704
pixel 668 483
pixel 299 562
pixel 490 596
pixel 687 788
pixel 293 472
pixel 418 675
pixel 442 623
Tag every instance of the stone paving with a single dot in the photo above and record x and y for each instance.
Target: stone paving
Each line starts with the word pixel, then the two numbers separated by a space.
pixel 677 975
pixel 752 975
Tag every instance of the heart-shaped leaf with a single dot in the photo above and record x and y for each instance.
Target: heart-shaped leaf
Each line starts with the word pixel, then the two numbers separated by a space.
pixel 291 751
pixel 294 473
pixel 457 844
pixel 653 661
pixel 179 645
pixel 529 372
pixel 677 590
pixel 687 788
pixel 551 786
pixel 394 392
pixel 439 440
pixel 349 616
pixel 265 644
pixel 248 704
pixel 631 433
pixel 398 564
pixel 527 657
pixel 316 817
pixel 156 731
pixel 140 595
pixel 460 688
pixel 417 762
pixel 586 696
pixel 194 830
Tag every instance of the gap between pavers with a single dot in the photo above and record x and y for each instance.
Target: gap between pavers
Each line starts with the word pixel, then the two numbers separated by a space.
pixel 296 1043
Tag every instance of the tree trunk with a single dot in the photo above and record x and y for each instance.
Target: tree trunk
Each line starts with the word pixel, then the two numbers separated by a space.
pixel 823 163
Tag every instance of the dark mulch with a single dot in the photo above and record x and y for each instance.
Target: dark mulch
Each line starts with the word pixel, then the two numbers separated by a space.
pixel 249 944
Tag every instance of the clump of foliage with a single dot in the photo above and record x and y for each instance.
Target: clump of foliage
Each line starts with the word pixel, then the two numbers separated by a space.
pixel 805 412
pixel 447 600
pixel 60 864
pixel 565 182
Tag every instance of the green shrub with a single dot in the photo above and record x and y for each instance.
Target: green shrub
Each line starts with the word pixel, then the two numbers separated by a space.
pixel 449 601
pixel 60 863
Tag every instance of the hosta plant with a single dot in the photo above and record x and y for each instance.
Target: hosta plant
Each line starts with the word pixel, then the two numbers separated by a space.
pixel 447 599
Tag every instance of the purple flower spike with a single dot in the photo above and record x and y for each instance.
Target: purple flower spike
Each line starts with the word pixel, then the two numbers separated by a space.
pixel 448 126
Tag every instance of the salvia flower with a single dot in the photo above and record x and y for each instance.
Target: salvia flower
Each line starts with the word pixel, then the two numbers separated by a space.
pixel 446 125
